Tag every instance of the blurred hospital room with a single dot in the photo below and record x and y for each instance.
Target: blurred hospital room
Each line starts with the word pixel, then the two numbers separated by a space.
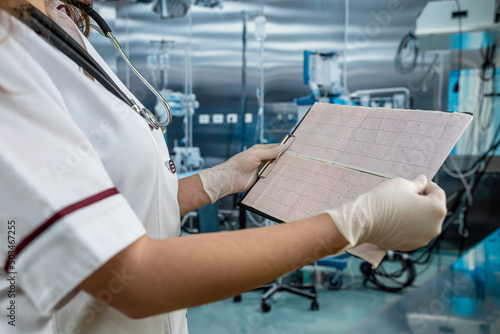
pixel 237 73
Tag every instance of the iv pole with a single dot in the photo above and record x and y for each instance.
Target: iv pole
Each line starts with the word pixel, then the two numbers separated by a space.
pixel 260 35
pixel 244 16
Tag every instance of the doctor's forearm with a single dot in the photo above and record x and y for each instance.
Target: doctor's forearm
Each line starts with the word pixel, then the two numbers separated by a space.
pixel 191 195
pixel 189 271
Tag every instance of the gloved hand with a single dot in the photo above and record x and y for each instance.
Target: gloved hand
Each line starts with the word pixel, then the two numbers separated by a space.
pixel 238 173
pixel 398 214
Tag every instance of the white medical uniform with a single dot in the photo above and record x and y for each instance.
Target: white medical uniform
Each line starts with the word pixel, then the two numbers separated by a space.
pixel 82 177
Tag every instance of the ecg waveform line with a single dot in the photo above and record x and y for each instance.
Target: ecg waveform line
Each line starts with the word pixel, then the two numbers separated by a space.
pixel 391 142
pixel 294 190
pixel 341 152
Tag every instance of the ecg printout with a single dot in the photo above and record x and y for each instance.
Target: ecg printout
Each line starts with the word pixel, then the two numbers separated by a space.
pixel 340 152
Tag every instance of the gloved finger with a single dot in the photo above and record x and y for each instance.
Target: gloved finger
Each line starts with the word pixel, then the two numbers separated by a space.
pixel 260 146
pixel 420 183
pixel 435 200
pixel 433 190
pixel 437 195
pixel 269 152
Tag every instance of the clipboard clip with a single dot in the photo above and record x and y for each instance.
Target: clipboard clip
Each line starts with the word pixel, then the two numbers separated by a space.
pixel 269 165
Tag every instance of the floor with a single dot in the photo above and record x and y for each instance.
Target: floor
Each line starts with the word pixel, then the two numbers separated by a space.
pixel 339 311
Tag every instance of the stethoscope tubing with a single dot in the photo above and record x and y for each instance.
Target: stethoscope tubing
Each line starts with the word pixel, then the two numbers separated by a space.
pixel 107 32
pixel 48 29
pixel 58 37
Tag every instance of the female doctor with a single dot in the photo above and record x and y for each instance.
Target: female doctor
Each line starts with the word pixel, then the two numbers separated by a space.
pixel 90 205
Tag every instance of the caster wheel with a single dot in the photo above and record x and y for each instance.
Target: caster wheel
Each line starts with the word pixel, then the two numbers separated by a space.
pixel 314 306
pixel 266 307
pixel 237 299
pixel 333 281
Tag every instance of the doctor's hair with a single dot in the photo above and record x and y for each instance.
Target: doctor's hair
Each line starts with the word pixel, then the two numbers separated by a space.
pixel 14 7
pixel 19 9
pixel 81 19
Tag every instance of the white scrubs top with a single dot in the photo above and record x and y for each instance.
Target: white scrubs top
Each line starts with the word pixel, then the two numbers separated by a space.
pixel 82 177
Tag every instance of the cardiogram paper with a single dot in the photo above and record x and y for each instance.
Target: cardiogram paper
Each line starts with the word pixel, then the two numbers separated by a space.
pixel 341 152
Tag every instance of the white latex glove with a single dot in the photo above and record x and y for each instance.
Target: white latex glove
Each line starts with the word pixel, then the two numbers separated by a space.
pixel 398 214
pixel 239 173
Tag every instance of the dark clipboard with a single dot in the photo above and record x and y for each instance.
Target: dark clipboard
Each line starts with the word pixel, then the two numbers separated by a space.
pixel 254 210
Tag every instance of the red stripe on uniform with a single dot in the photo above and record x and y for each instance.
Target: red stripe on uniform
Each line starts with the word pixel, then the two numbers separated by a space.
pixel 49 222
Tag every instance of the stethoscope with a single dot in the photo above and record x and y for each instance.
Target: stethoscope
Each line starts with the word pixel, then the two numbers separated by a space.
pixel 47 28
